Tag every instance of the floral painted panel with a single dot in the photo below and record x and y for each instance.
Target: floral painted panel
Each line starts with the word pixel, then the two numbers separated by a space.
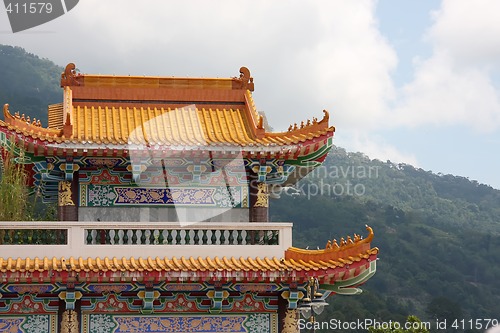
pixel 122 323
pixel 112 195
pixel 28 324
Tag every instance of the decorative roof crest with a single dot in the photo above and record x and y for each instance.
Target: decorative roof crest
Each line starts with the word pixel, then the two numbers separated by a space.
pixel 245 81
pixel 69 77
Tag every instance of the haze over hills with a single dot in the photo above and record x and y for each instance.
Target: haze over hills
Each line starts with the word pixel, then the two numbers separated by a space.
pixel 27 83
pixel 439 235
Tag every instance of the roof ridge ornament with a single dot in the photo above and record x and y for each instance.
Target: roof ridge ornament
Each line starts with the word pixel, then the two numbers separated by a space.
pixel 245 81
pixel 311 125
pixel 26 125
pixel 70 77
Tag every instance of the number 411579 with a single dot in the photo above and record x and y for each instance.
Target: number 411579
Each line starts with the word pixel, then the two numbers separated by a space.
pixel 29 8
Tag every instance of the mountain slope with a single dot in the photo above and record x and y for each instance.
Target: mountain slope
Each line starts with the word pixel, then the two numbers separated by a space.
pixel 27 83
pixel 438 236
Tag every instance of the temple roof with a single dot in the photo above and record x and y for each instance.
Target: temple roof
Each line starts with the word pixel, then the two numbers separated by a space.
pixel 117 111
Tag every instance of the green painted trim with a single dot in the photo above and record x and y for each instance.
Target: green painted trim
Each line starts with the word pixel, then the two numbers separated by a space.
pixel 309 160
pixel 345 287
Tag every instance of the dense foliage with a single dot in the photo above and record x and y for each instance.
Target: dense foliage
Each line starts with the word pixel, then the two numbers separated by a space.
pixel 27 83
pixel 14 203
pixel 438 237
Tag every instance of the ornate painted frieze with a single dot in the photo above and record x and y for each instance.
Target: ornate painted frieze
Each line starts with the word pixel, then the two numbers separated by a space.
pixel 111 195
pixel 179 302
pixel 121 323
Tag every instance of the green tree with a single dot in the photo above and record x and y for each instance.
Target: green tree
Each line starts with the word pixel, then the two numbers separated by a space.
pixel 14 193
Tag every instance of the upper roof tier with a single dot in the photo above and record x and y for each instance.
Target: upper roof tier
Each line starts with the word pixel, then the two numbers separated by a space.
pixel 164 112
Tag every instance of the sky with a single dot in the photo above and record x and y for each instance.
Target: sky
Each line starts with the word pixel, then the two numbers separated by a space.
pixel 411 81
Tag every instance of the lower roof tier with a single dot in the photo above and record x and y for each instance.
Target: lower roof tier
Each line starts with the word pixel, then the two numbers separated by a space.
pixel 188 269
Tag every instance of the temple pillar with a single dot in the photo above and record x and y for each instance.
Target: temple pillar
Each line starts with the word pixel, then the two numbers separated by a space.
pixel 68 199
pixel 287 318
pixel 69 322
pixel 259 201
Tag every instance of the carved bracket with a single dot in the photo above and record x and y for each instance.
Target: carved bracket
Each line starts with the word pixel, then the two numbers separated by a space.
pixel 217 297
pixel 69 169
pixel 261 171
pixel 70 297
pixel 148 297
pixel 293 297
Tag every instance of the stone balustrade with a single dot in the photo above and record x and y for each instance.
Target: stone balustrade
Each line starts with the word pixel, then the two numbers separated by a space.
pixel 143 239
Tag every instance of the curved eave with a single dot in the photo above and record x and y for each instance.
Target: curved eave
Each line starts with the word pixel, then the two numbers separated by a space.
pixel 43 146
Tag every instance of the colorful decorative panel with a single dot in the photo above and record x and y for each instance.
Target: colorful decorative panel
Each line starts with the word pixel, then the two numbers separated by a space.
pixel 255 287
pixel 29 324
pixel 110 287
pixel 176 172
pixel 112 195
pixel 28 304
pixel 122 323
pixel 25 288
pixel 178 303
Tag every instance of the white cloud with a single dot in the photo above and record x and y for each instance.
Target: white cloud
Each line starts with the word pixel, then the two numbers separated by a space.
pixel 455 85
pixel 375 147
pixel 469 30
pixel 304 56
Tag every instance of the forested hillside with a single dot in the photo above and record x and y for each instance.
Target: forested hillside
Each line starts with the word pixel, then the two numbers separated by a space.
pixel 438 235
pixel 27 83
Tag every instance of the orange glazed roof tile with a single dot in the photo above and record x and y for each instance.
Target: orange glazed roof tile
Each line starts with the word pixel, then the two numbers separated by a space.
pixel 181 264
pixel 186 127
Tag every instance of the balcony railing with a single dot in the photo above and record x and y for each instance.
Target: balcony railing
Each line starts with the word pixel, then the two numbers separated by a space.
pixel 128 239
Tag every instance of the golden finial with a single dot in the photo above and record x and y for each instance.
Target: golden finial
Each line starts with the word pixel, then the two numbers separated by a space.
pixel 302 124
pixel 22 117
pixel 335 244
pixel 308 122
pixel 290 128
pixel 295 126
pixel 342 241
pixel 315 120
pixel 328 245
pixel 349 240
pixel 28 120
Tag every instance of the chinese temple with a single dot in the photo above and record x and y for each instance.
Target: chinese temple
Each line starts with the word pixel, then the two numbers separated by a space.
pixel 162 186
